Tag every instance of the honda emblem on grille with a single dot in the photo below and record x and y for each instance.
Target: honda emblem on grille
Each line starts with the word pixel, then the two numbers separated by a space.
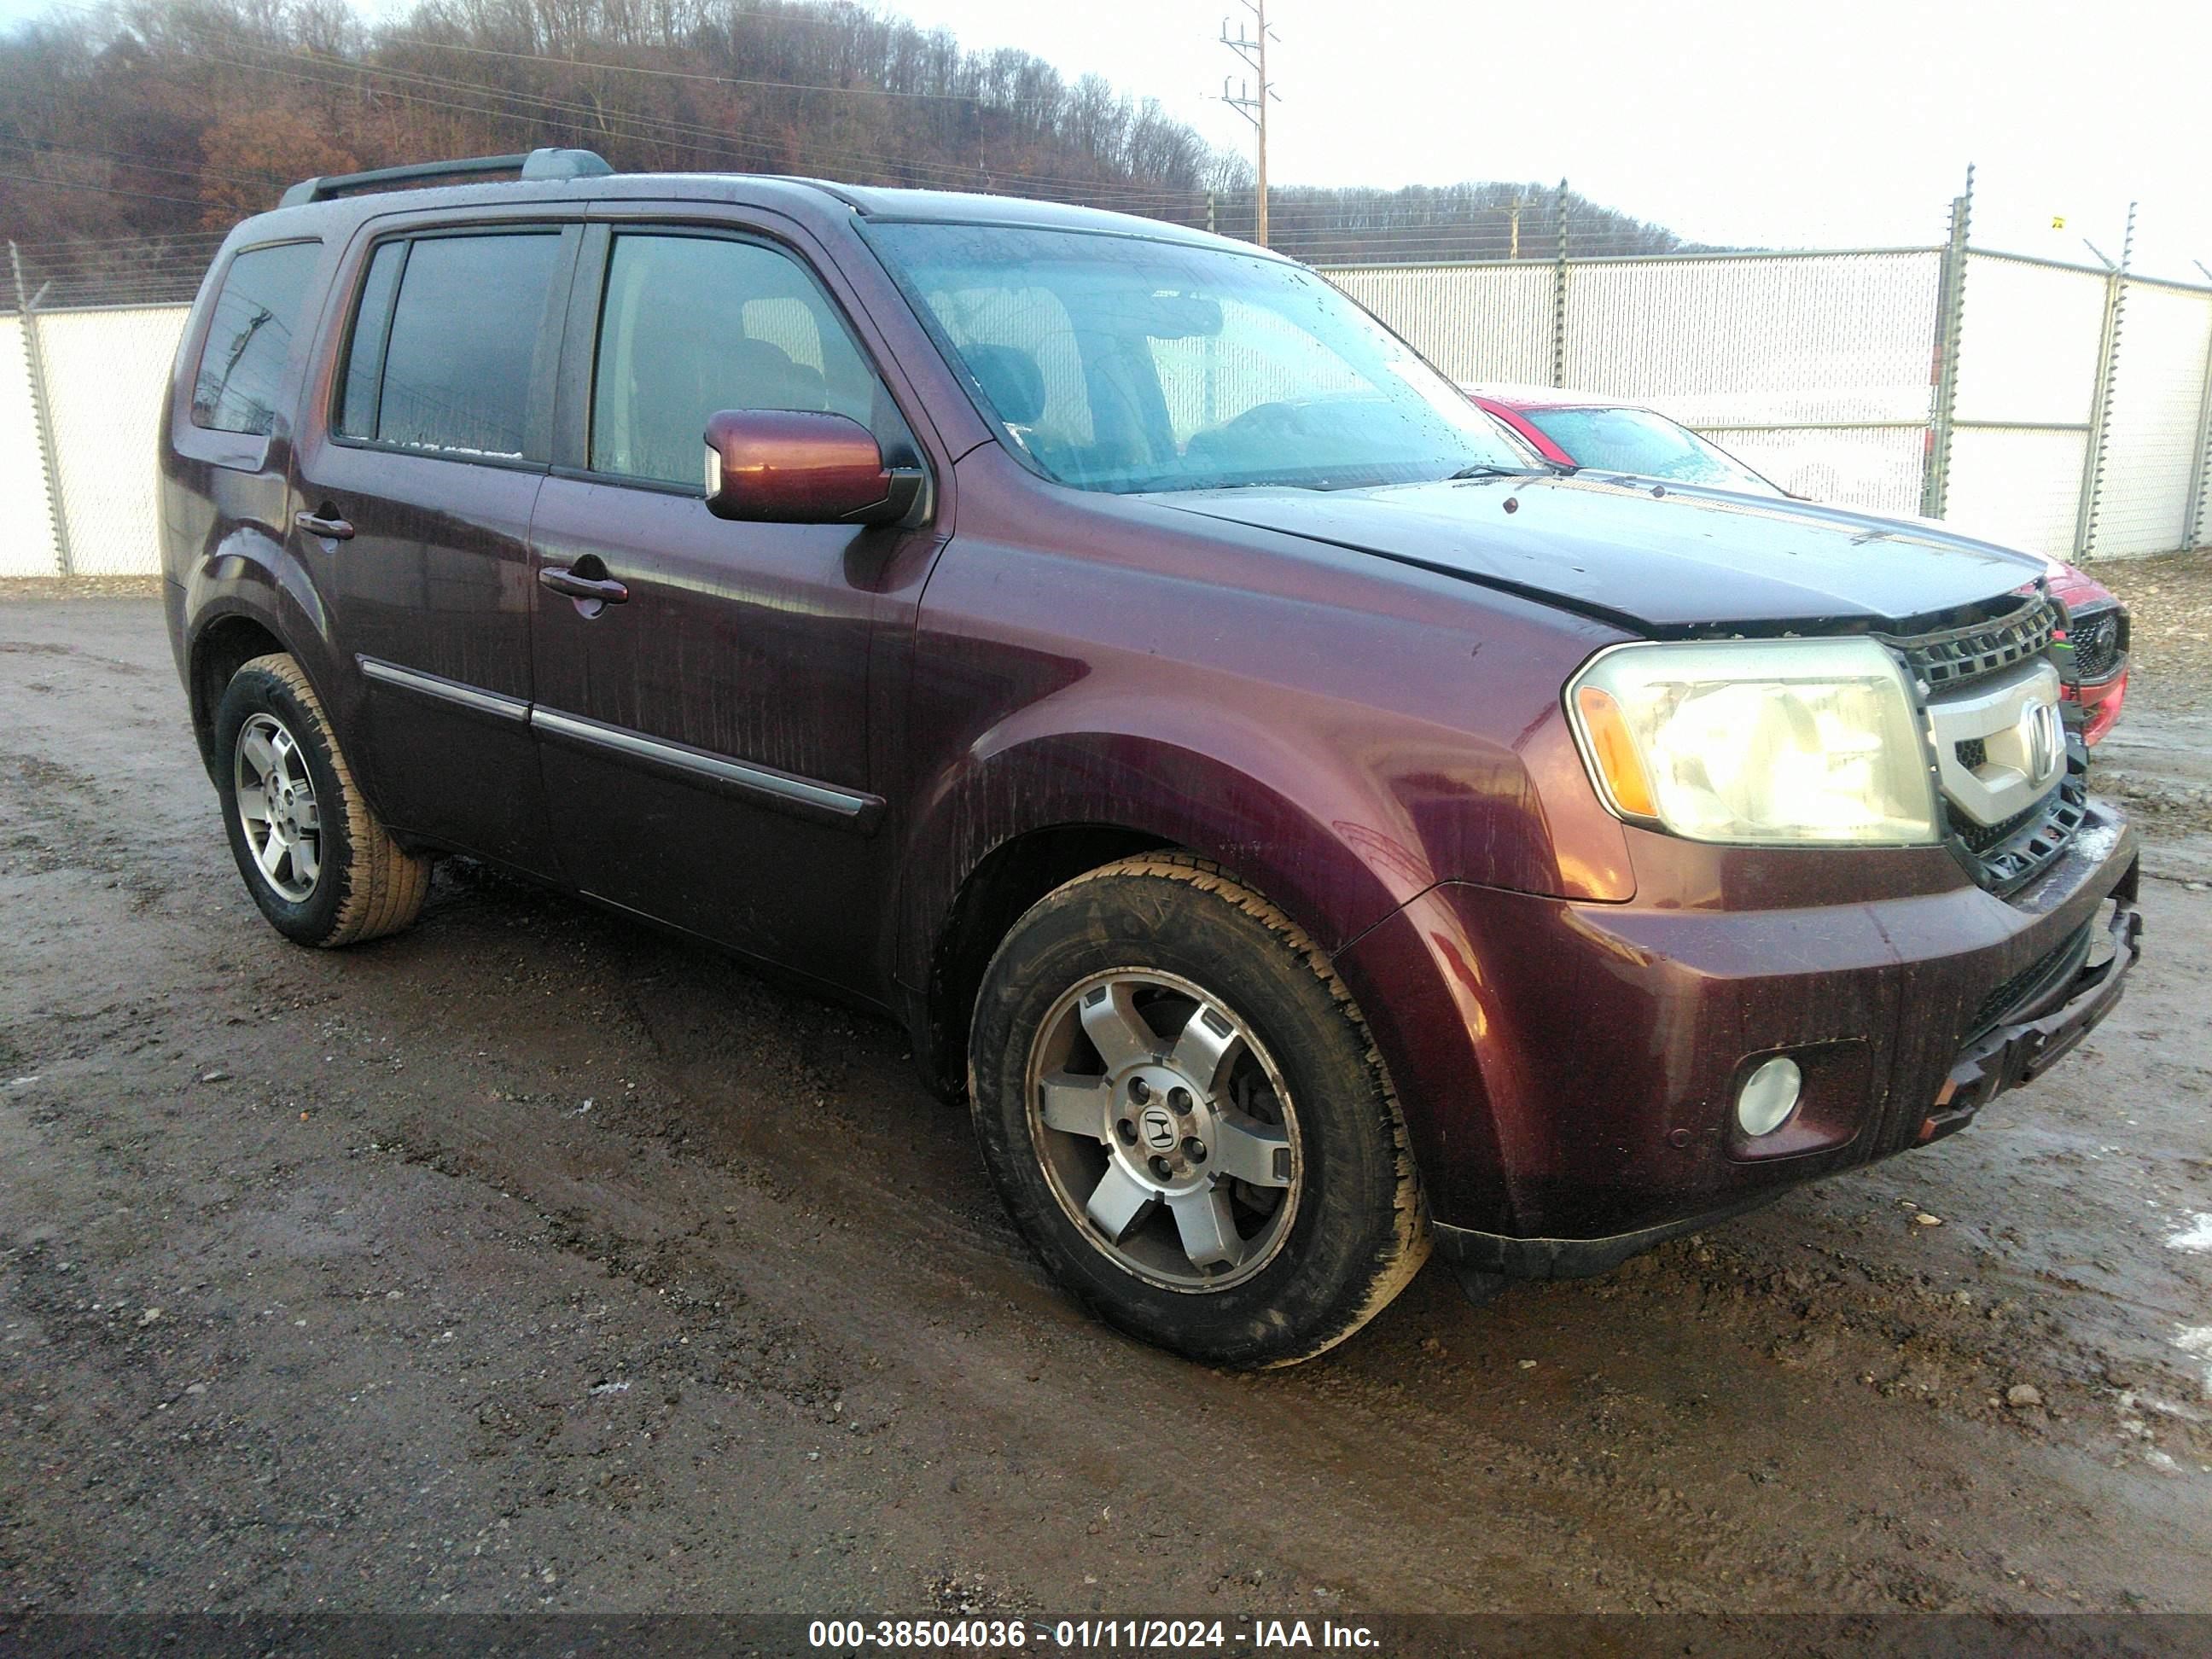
pixel 2042 739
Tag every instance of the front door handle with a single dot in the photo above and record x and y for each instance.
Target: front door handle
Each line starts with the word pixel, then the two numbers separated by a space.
pixel 325 523
pixel 605 589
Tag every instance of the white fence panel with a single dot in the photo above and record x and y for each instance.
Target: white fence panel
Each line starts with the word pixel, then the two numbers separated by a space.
pixel 2017 488
pixel 107 371
pixel 27 526
pixel 1875 470
pixel 1813 369
pixel 2028 351
pixel 1814 338
pixel 2027 377
pixel 1474 322
pixel 1757 352
pixel 2158 390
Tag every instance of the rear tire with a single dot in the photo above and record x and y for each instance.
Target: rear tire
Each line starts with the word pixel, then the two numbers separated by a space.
pixel 1187 1120
pixel 324 870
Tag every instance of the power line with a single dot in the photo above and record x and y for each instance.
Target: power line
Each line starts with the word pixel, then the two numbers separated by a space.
pixel 693 75
pixel 644 127
pixel 385 37
pixel 103 190
pixel 129 161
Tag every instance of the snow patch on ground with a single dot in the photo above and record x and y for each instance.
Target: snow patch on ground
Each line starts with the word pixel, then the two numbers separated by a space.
pixel 2197 1340
pixel 2197 1236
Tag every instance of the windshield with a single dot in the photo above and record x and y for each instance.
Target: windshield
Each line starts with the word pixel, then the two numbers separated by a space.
pixel 1637 441
pixel 1115 363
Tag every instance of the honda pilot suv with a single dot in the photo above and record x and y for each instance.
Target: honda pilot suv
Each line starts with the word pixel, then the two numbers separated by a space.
pixel 1309 830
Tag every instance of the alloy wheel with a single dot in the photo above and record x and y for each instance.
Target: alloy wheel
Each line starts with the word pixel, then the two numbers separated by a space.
pixel 277 808
pixel 1164 1129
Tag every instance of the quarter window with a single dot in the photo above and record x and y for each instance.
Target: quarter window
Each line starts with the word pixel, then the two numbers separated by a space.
pixel 691 325
pixel 445 345
pixel 249 339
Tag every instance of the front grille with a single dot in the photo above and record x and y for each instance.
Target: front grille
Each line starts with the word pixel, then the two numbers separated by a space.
pixel 1980 837
pixel 2037 977
pixel 2007 856
pixel 1963 655
pixel 2099 639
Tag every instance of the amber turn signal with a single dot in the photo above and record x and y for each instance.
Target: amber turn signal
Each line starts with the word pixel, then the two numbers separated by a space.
pixel 1613 748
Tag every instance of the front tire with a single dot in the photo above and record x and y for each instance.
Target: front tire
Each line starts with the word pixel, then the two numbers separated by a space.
pixel 324 870
pixel 1187 1120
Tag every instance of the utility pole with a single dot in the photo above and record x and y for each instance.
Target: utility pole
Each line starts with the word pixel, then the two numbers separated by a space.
pixel 1253 107
pixel 1513 252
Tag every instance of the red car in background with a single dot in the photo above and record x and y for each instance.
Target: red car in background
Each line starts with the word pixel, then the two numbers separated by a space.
pixel 1587 429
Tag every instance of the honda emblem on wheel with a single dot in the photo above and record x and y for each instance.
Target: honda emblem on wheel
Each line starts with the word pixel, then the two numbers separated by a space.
pixel 1160 1130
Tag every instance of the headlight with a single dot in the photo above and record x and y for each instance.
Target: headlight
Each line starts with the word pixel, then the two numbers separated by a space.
pixel 1756 741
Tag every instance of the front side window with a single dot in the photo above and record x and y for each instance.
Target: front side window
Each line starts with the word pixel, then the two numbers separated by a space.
pixel 249 338
pixel 445 343
pixel 694 324
pixel 1649 445
pixel 1121 363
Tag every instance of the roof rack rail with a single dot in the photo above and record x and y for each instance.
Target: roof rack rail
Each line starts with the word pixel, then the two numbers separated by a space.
pixel 537 165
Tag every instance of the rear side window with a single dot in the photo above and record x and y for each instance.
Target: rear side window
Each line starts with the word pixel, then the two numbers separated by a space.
pixel 446 344
pixel 250 338
pixel 365 360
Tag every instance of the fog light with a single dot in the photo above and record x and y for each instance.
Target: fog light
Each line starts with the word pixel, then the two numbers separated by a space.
pixel 1768 1097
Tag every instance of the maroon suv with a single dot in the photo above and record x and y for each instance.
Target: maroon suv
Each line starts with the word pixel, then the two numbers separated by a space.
pixel 1307 830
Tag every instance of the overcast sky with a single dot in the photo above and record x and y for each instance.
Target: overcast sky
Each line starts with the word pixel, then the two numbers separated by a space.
pixel 1729 121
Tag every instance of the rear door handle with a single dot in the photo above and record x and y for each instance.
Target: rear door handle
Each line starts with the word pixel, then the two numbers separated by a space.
pixel 605 589
pixel 318 523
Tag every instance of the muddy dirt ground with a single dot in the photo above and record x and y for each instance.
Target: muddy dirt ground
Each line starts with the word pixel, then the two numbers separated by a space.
pixel 531 1261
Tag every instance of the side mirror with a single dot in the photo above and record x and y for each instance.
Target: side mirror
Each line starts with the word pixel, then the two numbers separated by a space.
pixel 796 467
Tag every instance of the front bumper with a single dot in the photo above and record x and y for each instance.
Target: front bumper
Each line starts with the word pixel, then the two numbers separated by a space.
pixel 1568 1071
pixel 2101 704
pixel 2042 1029
pixel 2017 1051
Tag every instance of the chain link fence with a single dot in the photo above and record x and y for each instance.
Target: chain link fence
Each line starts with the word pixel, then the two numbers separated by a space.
pixel 26 513
pixel 84 365
pixel 2079 420
pixel 2155 446
pixel 107 373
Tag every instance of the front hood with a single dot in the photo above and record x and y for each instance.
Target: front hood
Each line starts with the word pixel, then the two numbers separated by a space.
pixel 1647 555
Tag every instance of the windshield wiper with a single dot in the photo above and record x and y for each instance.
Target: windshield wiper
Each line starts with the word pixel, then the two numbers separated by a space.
pixel 1494 470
